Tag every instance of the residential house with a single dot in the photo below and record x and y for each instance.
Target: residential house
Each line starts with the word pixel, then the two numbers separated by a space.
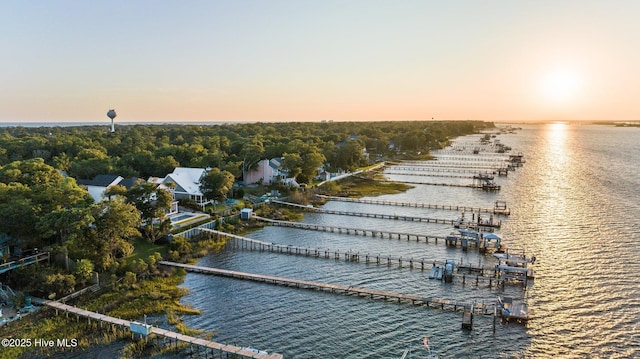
pixel 99 184
pixel 184 183
pixel 266 172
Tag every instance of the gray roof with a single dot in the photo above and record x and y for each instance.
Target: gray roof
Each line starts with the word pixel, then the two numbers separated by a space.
pixel 100 180
pixel 130 182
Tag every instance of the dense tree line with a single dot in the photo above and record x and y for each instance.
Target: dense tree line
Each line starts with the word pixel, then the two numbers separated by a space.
pixel 154 150
pixel 41 207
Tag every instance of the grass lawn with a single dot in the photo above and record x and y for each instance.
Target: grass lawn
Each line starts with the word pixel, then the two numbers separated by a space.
pixel 143 249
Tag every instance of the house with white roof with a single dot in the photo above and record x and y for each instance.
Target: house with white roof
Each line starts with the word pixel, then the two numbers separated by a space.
pixel 184 183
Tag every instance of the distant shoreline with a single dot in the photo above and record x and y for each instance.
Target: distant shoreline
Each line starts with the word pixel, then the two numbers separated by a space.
pixel 219 123
pixel 105 124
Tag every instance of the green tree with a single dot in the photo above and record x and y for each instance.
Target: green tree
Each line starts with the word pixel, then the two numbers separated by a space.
pixel 153 204
pixel 216 184
pixel 83 270
pixel 37 202
pixel 64 224
pixel 111 235
pixel 312 160
pixel 251 154
pixel 62 161
pixel 292 162
pixel 58 283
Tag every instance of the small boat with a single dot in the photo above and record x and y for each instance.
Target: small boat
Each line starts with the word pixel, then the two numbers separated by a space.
pixel 449 266
pixel 435 273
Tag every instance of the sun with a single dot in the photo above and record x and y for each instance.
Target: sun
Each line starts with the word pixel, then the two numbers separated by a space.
pixel 561 85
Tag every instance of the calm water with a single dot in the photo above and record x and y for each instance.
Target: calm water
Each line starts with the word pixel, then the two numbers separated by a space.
pixel 575 205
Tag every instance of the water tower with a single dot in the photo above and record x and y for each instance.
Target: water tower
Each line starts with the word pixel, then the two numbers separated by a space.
pixel 112 115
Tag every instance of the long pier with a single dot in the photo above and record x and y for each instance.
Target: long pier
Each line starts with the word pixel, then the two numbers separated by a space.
pixel 435 164
pixel 449 240
pixel 445 304
pixel 369 215
pixel 475 274
pixel 427 175
pixel 433 169
pixel 470 158
pixel 447 207
pixel 230 349
pixel 352 230
pixel 476 186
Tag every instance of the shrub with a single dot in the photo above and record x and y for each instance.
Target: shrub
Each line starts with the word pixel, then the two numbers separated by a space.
pixel 129 278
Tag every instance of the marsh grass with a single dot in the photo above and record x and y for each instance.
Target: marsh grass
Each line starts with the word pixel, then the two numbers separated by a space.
pixel 44 325
pixel 151 296
pixel 368 185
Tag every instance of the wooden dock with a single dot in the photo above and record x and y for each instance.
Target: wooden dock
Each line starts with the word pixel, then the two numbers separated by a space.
pixel 438 174
pixel 473 185
pixel 24 261
pixel 369 215
pixel 432 169
pixel 502 209
pixel 470 158
pixel 438 164
pixel 457 241
pixel 354 231
pixel 475 274
pixel 213 346
pixel 444 304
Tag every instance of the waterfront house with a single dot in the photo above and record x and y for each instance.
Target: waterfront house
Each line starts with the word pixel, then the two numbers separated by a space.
pixel 266 172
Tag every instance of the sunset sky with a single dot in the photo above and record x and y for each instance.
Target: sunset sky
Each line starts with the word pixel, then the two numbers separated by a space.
pixel 169 61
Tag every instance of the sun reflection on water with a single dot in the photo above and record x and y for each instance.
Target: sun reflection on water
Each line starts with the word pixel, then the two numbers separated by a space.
pixel 557 142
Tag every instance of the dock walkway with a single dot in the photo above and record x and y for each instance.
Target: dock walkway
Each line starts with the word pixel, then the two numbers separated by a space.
pixel 438 174
pixel 473 185
pixel 158 331
pixel 469 158
pixel 352 230
pixel 445 304
pixel 474 273
pixel 369 215
pixel 447 207
pixel 478 274
pixel 433 169
pixel 437 164
pixel 449 240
